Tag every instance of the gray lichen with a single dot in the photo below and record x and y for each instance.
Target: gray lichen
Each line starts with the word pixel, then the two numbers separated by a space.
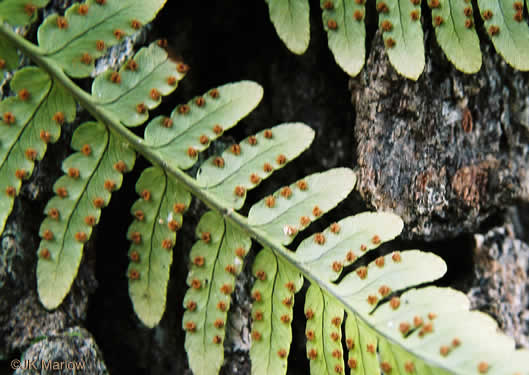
pixel 501 286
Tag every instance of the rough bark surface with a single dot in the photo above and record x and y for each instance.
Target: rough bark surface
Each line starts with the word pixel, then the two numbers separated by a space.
pixel 446 152
pixel 501 285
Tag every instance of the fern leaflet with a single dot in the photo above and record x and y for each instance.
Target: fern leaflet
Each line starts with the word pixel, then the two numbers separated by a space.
pixel 216 259
pixel 91 175
pixel 87 30
pixel 291 21
pixel 344 21
pixel 29 122
pixel 272 312
pixel 158 215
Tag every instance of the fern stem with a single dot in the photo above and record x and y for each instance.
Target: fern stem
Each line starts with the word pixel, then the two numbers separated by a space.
pixel 88 102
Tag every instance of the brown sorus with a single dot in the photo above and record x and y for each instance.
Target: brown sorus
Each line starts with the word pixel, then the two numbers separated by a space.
pixel 134 256
pixel 141 108
pixel 191 152
pixel 54 214
pixel 86 150
pixel 358 15
pixel 394 303
pixel 267 167
pixel 382 7
pixel 487 14
pixel 200 101
pixel 217 129
pixel 47 235
pixel 218 162
pixel 31 154
pixel 132 65
pixel 183 68
pixel 214 93
pixel 386 25
pixel 83 9
pixel 167 122
pixel 206 237
pixel 154 94
pixel 179 208
pixel 135 237
pixel 58 117
pixel 134 274
pixel 118 34
pixel 9 118
pixel 120 166
pixel 90 220
pixel 239 191
pixel 44 253
pixel 62 23
pixel 270 201
pixel 135 24
pixel 98 202
pixel 62 192
pixel 73 173
pixel 86 58
pixel 80 236
pixel 252 140
pixel 167 244
pixel 146 195
pixel 286 192
pixel 319 238
pixel 24 95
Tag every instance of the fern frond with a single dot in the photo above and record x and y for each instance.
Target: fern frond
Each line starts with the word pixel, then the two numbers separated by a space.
pixel 429 329
pixel 216 258
pixel 344 21
pixel 139 85
pixel 273 292
pixel 28 122
pixel 403 36
pixel 287 212
pixel 20 13
pixel 291 21
pixel 508 30
pixel 91 175
pixel 192 126
pixel 158 215
pixel 455 32
pixel 246 164
pixel 87 30
pixel 323 331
